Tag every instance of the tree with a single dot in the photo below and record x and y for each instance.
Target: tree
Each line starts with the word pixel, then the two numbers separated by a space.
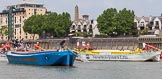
pixel 53 24
pixel 115 23
pixel 106 23
pixel 33 25
pixel 125 22
pixel 3 31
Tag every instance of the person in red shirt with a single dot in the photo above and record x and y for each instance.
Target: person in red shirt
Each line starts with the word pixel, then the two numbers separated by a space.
pixel 3 50
pixel 88 47
pixel 37 46
pixel 8 46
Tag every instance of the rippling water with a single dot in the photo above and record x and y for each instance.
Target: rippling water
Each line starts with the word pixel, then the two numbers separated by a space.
pixel 80 70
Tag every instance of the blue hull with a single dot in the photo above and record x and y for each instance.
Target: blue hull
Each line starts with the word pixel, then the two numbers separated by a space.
pixel 50 58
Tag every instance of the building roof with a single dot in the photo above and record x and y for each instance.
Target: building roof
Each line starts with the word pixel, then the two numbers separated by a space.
pixel 152 19
pixel 138 18
pixel 26 4
pixel 147 19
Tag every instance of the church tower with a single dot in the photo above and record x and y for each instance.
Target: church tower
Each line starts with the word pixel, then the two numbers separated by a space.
pixel 76 13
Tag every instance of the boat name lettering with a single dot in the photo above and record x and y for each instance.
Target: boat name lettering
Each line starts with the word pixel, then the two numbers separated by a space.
pixel 24 59
pixel 110 57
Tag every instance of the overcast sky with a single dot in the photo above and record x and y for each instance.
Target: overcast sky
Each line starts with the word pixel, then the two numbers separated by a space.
pixel 94 8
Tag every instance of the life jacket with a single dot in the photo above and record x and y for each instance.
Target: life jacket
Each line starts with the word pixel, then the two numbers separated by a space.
pixel 146 48
pixel 3 46
pixel 89 46
pixel 37 46
pixel 8 45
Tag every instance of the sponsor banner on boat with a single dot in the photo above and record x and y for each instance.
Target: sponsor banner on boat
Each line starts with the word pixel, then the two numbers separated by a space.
pixel 108 57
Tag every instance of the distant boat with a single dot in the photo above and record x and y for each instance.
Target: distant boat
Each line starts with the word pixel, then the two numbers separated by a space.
pixel 116 55
pixel 145 56
pixel 49 58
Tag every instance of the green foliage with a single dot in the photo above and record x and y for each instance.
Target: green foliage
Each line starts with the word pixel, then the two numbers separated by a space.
pixel 113 23
pixel 101 35
pixel 106 21
pixel 83 34
pixel 3 31
pixel 53 24
pixel 144 31
pixel 78 33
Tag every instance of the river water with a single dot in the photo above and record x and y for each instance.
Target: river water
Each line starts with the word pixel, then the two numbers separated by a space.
pixel 80 70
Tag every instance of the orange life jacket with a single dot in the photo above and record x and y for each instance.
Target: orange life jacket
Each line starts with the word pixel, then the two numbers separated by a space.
pixel 37 46
pixel 89 46
pixel 8 45
pixel 2 46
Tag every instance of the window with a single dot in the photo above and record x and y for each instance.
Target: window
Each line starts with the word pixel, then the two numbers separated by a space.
pixel 157 23
pixel 17 25
pixel 141 28
pixel 15 31
pixel 91 21
pixel 6 20
pixel 90 27
pixel 142 24
pixel 20 19
pixel 35 11
pixel 79 28
pixel 85 27
pixel 73 27
pixel 20 31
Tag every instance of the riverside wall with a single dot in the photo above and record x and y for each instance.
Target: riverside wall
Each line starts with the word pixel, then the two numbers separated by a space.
pixel 123 43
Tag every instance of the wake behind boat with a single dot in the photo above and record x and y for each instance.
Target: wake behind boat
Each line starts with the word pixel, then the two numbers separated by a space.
pixel 51 58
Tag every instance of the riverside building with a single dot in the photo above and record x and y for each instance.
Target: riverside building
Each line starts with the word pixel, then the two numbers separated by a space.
pixel 15 15
pixel 84 25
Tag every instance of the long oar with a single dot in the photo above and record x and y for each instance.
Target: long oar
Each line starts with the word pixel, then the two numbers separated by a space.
pixel 42 49
pixel 154 47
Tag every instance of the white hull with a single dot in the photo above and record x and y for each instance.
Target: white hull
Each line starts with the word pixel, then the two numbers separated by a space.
pixel 155 56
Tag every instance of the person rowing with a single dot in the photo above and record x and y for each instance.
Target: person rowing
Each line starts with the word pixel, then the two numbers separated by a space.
pixel 63 44
pixel 37 47
pixel 3 49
